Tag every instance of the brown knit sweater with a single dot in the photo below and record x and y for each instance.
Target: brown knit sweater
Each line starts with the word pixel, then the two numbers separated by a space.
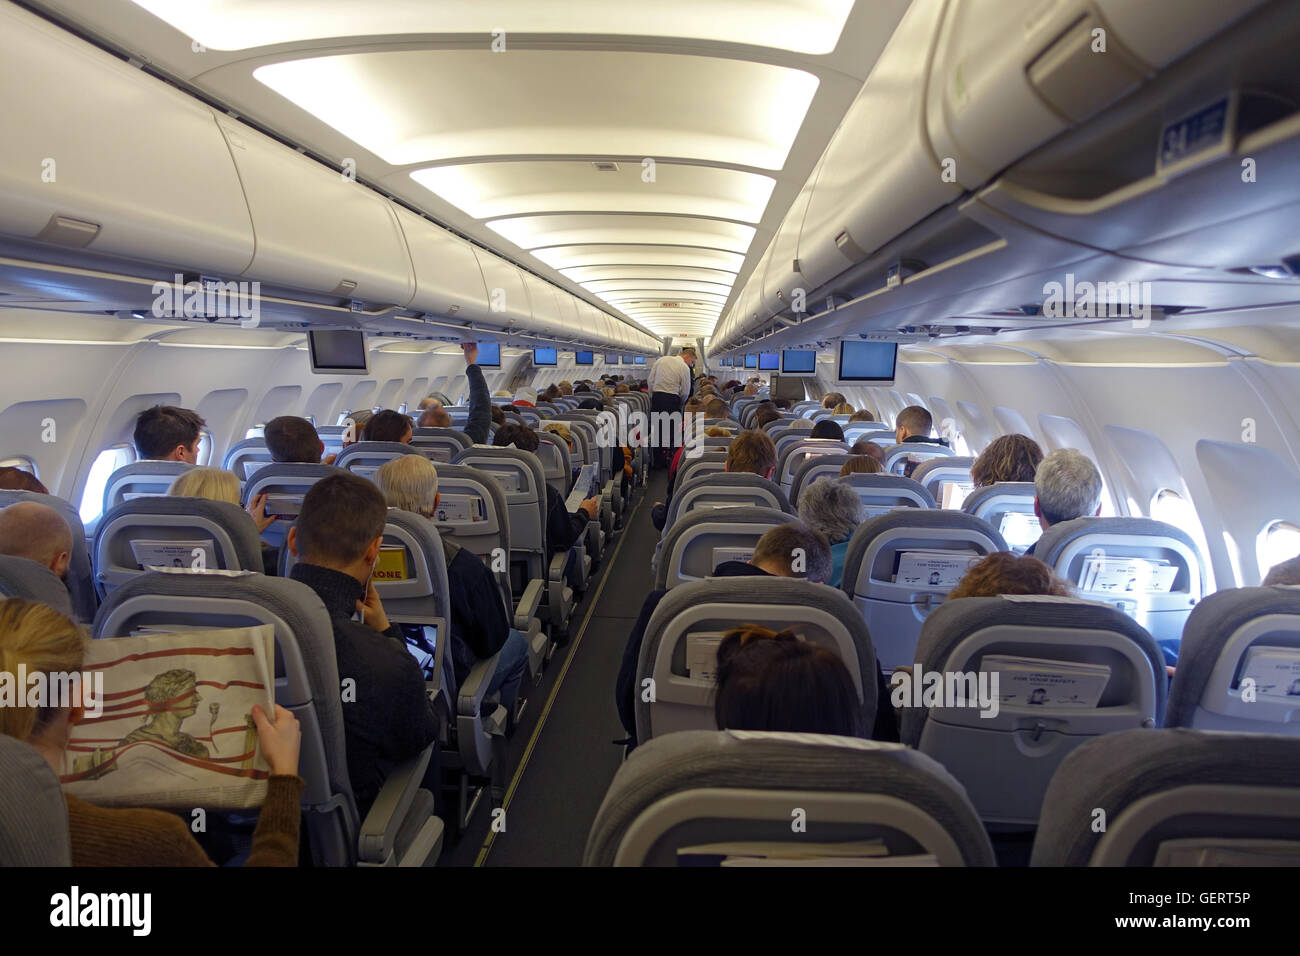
pixel 109 837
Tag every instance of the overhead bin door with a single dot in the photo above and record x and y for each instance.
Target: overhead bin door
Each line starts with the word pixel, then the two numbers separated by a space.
pixel 879 176
pixel 96 154
pixel 448 280
pixel 546 315
pixel 317 230
pixel 508 305
pixel 783 277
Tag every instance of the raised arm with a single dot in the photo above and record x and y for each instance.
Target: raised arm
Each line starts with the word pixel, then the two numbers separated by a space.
pixel 480 400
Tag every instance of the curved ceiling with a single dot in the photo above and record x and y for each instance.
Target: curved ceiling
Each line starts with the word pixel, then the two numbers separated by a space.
pixel 640 155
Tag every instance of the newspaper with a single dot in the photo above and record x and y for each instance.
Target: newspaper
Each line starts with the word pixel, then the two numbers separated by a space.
pixel 176 730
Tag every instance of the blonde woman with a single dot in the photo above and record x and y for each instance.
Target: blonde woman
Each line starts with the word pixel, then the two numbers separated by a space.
pixel 217 484
pixel 43 641
pixel 843 408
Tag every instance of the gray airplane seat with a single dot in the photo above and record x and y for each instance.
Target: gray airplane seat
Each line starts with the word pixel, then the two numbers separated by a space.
pixel 808 405
pixel 175 533
pixel 1009 507
pixel 33 581
pixel 1174 797
pixel 246 456
pixel 33 813
pixel 80 579
pixel 440 445
pixel 877 432
pixel 364 458
pixel 679 651
pixel 412 584
pixel 717 441
pixel 332 436
pixel 708 460
pixel 523 481
pixel 705 796
pixel 553 453
pixel 901 565
pixel 795 432
pixel 473 513
pixel 814 467
pixel 532 418
pixel 700 540
pixel 937 474
pixel 898 456
pixel 1148 569
pixel 401 828
pixel 591 451
pixel 141 479
pixel 726 489
pixel 880 493
pixel 783 424
pixel 1239 663
pixel 1068 670
pixel 285 484
pixel 794 454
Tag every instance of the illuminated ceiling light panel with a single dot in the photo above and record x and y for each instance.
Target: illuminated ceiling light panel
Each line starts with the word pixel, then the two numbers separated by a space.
pixel 582 274
pixel 600 287
pixel 542 102
pixel 801 26
pixel 533 232
pixel 493 190
pixel 568 257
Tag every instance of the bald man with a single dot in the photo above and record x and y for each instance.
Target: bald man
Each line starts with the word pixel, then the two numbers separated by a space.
pixel 36 532
pixel 434 416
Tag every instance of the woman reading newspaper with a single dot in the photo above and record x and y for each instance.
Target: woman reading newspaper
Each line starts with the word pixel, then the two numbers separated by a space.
pixel 40 640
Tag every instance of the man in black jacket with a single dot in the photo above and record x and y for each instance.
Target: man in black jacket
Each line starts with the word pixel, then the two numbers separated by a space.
pixel 562 529
pixel 387 717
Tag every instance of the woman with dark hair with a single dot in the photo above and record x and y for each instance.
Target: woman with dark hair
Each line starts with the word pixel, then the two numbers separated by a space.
pixel 825 428
pixel 1007 458
pixel 15 479
pixel 778 681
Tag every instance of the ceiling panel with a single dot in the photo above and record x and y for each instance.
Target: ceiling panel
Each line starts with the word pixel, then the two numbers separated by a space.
pixel 564 257
pixel 582 274
pixel 535 232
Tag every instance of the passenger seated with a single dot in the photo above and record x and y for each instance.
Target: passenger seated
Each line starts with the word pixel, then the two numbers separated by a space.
pixel 293 439
pixel 37 532
pixel 864 447
pixel 861 415
pixel 45 642
pixel 716 408
pixel 781 404
pixel 914 424
pixel 861 465
pixel 776 681
pixel 1004 573
pixel 479 626
pixel 1007 458
pixel 336 539
pixel 775 554
pixel 15 479
pixel 359 421
pixel 167 433
pixel 389 425
pixel 825 428
pixel 562 529
pixel 843 408
pixel 834 509
pixel 217 484
pixel 751 452
pixel 435 416
pixel 831 399
pixel 1067 485
pixel 526 397
pixel 765 416
pixel 1287 573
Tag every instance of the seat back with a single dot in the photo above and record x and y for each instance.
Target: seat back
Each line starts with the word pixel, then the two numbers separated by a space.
pixel 881 493
pixel 80 579
pixel 938 474
pixel 332 436
pixel 306 674
pixel 795 453
pixel 366 457
pixel 877 432
pixel 700 540
pixel 440 445
pixel 1103 558
pixel 709 460
pixel 713 788
pixel 553 453
pixel 140 479
pixel 679 650
pixel 491 537
pixel 1067 671
pixel 33 812
pixel 725 490
pixel 1174 798
pixel 1239 664
pixel 897 457
pixel 1009 507
pixel 900 566
pixel 173 532
pixel 246 456
pixel 285 484
pixel 32 581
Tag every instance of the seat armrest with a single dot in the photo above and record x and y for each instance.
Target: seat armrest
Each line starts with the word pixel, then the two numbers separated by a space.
pixel 378 837
pixel 529 603
pixel 473 688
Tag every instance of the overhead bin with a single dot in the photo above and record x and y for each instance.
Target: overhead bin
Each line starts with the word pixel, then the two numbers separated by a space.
pixel 99 156
pixel 448 280
pixel 783 277
pixel 316 229
pixel 508 304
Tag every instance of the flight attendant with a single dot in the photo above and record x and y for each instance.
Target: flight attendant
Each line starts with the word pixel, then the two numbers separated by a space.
pixel 670 386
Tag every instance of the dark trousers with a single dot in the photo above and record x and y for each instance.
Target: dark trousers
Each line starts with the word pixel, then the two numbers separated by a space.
pixel 663 436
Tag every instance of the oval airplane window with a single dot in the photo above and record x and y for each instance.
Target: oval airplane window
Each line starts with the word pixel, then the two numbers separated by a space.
pixel 1279 542
pixel 1172 508
pixel 106 462
pixel 205 448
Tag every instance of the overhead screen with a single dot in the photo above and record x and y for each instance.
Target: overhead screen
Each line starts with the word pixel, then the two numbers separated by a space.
pixel 640 360
pixel 611 359
pixel 584 358
pixel 751 360
pixel 489 354
pixel 768 361
pixel 338 352
pixel 798 362
pixel 867 361
pixel 544 357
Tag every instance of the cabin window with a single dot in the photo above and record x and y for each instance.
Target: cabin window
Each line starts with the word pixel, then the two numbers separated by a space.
pixel 106 462
pixel 22 463
pixel 1172 508
pixel 1279 542
pixel 257 431
pixel 204 456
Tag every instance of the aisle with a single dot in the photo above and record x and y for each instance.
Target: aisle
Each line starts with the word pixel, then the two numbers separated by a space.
pixel 569 762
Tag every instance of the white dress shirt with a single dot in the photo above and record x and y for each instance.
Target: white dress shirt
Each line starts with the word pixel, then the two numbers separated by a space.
pixel 671 374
